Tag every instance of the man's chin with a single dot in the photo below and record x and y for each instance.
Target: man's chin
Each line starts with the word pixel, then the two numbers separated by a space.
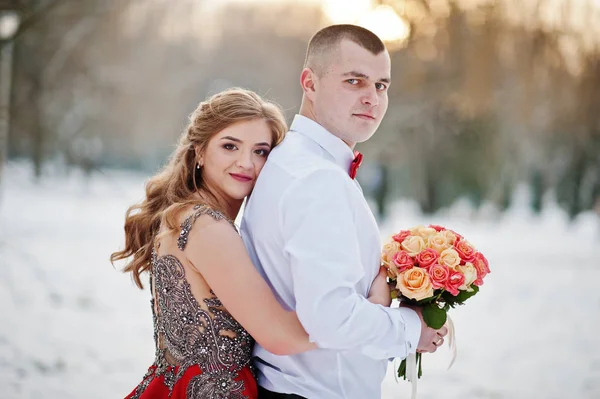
pixel 362 136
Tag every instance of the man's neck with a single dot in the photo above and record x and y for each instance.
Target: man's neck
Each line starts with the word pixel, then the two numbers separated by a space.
pixel 307 111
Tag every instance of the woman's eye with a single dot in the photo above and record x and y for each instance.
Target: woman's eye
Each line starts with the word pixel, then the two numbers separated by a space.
pixel 229 146
pixel 262 153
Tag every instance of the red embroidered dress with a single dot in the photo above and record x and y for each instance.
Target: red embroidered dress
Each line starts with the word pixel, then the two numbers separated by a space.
pixel 201 351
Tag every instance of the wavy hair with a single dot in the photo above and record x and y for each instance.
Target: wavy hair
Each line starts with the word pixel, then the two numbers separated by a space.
pixel 173 188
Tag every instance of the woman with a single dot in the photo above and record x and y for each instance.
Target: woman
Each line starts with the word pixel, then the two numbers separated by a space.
pixel 208 301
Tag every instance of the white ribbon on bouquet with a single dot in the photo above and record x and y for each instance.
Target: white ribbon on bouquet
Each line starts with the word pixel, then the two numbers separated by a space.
pixel 411 360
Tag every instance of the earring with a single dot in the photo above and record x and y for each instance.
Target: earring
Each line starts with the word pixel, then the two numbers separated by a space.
pixel 198 166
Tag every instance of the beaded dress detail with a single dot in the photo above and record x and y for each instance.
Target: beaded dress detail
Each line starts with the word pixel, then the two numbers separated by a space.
pixel 201 351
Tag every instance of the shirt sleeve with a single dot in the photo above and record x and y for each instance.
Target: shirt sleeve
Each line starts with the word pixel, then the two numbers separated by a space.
pixel 320 239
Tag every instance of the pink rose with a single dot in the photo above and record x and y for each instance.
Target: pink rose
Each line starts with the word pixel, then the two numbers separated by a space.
pixel 437 228
pixel 439 276
pixel 455 280
pixel 483 268
pixel 403 261
pixel 465 250
pixel 427 257
pixel 458 236
pixel 401 236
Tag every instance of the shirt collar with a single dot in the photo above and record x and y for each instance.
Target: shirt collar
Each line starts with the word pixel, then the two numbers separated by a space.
pixel 341 153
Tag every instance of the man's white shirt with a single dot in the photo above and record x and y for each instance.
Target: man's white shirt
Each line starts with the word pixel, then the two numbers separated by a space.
pixel 312 236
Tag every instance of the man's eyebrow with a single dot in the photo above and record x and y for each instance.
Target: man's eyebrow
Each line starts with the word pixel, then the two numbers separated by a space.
pixel 356 74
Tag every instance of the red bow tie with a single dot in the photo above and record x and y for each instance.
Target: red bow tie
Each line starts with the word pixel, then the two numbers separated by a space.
pixel 355 164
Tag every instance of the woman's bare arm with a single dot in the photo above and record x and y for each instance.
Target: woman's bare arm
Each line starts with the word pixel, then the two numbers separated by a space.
pixel 218 253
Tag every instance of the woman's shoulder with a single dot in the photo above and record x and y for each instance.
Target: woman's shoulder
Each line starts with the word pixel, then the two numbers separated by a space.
pixel 202 219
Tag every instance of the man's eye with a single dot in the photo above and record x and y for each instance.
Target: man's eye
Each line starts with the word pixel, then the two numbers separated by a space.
pixel 352 81
pixel 380 86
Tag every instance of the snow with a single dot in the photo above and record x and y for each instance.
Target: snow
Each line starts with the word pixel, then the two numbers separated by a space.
pixel 73 326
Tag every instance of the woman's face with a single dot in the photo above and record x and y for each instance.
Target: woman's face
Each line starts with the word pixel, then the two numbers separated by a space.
pixel 234 157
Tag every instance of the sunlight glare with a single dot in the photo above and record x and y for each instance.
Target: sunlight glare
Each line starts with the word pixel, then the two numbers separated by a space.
pixel 386 23
pixel 346 11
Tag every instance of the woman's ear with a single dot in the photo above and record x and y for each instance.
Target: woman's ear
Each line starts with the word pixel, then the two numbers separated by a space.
pixel 199 156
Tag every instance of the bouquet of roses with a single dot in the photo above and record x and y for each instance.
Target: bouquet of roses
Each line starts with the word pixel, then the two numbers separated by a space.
pixel 435 268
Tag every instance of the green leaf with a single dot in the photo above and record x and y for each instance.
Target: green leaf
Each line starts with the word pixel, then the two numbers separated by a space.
pixel 424 301
pixel 464 295
pixel 433 316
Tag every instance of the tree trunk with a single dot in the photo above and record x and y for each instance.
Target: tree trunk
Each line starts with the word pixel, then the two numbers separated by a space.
pixel 5 88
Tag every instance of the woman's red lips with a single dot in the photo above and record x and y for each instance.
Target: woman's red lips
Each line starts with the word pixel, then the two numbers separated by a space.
pixel 242 178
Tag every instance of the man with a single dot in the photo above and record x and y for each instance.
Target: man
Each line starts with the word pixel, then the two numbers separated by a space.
pixel 311 234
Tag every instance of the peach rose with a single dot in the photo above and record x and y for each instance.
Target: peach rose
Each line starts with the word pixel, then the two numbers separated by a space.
pixel 426 258
pixel 465 250
pixel 389 251
pixel 450 258
pixel 423 231
pixel 470 273
pixel 439 275
pixel 415 284
pixel 403 261
pixel 413 245
pixel 482 266
pixel 455 280
pixel 438 242
pixel 401 236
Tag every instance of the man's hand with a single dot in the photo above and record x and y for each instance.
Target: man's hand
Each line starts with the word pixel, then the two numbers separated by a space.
pixel 380 290
pixel 430 339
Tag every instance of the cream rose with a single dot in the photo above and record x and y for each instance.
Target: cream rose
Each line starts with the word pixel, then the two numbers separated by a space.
pixel 450 236
pixel 413 245
pixel 415 284
pixel 450 258
pixel 438 242
pixel 470 273
pixel 424 232
pixel 389 251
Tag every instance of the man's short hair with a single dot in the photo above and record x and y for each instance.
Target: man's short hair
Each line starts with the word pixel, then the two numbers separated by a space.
pixel 327 39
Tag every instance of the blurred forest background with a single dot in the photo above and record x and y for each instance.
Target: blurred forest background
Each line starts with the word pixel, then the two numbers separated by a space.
pixel 486 95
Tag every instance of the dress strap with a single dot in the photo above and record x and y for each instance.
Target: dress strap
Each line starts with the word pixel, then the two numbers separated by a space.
pixel 187 224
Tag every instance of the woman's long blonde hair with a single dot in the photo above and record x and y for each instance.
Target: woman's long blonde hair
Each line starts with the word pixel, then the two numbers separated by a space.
pixel 172 189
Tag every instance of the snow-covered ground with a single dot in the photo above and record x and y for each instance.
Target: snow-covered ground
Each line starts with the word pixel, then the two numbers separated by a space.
pixel 71 326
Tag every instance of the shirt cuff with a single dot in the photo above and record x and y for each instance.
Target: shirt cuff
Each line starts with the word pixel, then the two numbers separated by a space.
pixel 407 325
pixel 412 329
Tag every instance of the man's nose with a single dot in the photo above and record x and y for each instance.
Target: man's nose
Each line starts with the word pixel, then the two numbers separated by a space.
pixel 370 97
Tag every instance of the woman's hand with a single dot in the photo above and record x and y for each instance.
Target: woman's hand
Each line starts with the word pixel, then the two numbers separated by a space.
pixel 380 292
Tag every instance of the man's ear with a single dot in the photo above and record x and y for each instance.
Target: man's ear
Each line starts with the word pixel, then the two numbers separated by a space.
pixel 308 81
